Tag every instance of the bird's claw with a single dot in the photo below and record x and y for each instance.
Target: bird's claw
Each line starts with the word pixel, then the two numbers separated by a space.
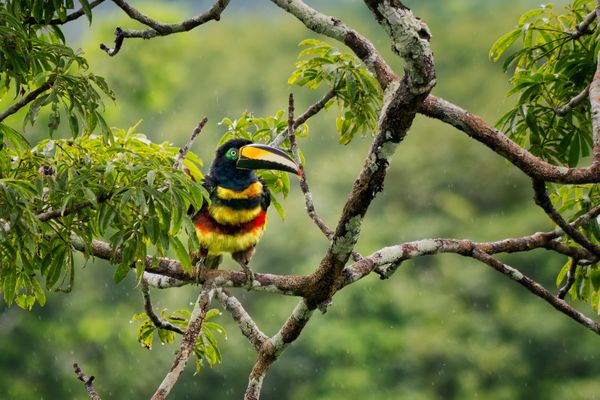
pixel 249 276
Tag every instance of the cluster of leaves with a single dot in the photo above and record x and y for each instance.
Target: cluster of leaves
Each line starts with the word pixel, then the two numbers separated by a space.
pixel 576 201
pixel 555 62
pixel 264 130
pixel 120 186
pixel 34 56
pixel 206 348
pixel 358 94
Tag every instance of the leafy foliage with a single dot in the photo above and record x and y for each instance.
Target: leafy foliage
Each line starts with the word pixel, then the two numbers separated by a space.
pixel 555 63
pixel 206 348
pixel 122 187
pixel 575 201
pixel 34 56
pixel 358 94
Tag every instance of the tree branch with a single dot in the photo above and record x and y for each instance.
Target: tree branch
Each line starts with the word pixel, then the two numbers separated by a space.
pixel 242 318
pixel 478 129
pixel 187 344
pixel 310 111
pixel 543 200
pixel 583 27
pixel 13 108
pixel 157 28
pixel 336 29
pixel 562 292
pixel 159 323
pixel 400 103
pixel 308 198
pixel 274 346
pixel 574 102
pixel 183 151
pixel 537 290
pixel 89 383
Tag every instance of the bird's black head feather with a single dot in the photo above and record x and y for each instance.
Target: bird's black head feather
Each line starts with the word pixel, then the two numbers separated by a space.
pixel 223 170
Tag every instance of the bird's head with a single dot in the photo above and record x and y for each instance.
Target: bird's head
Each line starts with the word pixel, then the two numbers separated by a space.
pixel 236 160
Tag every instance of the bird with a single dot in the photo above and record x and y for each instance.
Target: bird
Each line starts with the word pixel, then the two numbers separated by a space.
pixel 235 218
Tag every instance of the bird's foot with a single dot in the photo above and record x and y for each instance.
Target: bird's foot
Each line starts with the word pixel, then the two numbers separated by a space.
pixel 249 276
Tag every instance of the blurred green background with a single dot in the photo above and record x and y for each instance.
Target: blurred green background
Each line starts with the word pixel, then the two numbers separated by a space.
pixel 442 328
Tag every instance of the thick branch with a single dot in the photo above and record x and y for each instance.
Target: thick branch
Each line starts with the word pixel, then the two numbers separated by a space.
pixel 157 28
pixel 336 29
pixel 478 129
pixel 187 344
pixel 292 285
pixel 274 346
pixel 27 99
pixel 308 198
pixel 88 381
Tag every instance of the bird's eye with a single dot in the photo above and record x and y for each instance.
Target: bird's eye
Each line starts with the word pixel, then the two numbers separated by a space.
pixel 232 154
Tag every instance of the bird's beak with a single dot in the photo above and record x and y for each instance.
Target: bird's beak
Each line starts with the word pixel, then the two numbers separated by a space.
pixel 260 156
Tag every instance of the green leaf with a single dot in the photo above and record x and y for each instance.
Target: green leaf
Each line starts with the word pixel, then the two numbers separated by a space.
pixel 86 9
pixel 121 272
pixel 182 255
pixel 503 43
pixel 9 284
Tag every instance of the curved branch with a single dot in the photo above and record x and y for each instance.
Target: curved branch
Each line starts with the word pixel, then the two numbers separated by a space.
pixel 478 129
pixel 159 323
pixel 543 200
pixel 157 28
pixel 336 29
pixel 27 99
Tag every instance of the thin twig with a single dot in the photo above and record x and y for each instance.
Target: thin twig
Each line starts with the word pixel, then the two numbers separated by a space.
pixel 543 200
pixel 562 292
pixel 308 198
pixel 27 99
pixel 310 111
pixel 537 290
pixel 156 320
pixel 574 102
pixel 187 344
pixel 89 383
pixel 183 151
pixel 158 28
